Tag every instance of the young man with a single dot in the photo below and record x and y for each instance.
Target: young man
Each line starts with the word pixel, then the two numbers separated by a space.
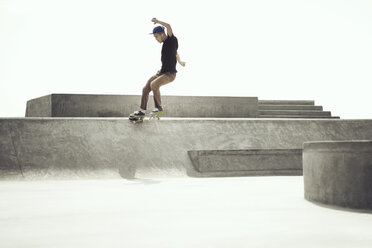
pixel 167 73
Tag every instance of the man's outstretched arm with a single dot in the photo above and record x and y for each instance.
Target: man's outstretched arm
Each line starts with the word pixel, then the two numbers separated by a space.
pixel 179 60
pixel 168 26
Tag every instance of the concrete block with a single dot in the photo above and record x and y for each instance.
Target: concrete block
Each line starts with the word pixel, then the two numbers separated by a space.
pixel 40 107
pixel 249 162
pixel 339 173
pixel 80 105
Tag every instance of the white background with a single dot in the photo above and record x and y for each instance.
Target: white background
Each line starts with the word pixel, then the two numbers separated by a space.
pixel 290 49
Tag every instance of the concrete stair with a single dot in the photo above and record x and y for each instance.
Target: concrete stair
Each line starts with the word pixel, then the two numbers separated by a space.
pixel 292 109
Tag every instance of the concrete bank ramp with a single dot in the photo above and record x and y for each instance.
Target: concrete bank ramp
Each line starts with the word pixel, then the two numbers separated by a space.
pixel 96 147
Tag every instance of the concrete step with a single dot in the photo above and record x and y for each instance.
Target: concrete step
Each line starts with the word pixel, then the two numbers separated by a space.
pixel 289 107
pixel 248 162
pixel 295 112
pixel 298 116
pixel 286 102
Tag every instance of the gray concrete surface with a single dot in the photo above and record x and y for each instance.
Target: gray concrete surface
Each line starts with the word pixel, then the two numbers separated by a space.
pixel 250 162
pixel 99 147
pixel 266 212
pixel 339 173
pixel 80 105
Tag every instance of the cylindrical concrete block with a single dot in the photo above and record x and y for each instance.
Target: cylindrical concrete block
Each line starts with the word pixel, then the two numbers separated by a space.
pixel 338 173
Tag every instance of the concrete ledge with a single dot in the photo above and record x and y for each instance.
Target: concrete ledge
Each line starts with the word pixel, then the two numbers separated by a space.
pixel 339 173
pixel 80 105
pixel 251 162
pixel 100 147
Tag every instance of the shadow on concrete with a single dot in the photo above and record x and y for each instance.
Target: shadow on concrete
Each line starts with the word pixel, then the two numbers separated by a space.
pixel 144 181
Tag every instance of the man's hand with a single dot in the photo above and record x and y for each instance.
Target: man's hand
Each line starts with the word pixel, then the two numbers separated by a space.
pixel 154 20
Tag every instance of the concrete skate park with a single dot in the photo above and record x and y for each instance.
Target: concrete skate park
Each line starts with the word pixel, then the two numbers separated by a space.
pixel 231 158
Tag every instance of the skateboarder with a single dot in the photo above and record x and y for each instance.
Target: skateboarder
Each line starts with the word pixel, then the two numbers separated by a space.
pixel 167 73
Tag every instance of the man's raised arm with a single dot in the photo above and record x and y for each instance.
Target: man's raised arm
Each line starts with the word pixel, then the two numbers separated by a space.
pixel 168 26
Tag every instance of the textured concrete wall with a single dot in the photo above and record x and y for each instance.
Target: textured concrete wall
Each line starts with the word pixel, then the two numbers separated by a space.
pixel 339 173
pixel 75 105
pixel 76 147
pixel 252 162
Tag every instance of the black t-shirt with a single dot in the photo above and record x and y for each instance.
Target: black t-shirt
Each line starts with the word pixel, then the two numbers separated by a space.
pixel 168 55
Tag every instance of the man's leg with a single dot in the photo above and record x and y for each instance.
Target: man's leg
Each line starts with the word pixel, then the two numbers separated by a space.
pixel 146 91
pixel 157 83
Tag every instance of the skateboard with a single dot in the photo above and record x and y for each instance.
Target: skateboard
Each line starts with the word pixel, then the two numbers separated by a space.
pixel 137 119
pixel 156 115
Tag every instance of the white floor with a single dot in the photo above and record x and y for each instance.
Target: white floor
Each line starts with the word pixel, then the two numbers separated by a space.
pixel 185 212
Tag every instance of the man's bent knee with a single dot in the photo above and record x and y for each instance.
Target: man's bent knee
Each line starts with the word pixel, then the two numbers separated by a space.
pixel 154 87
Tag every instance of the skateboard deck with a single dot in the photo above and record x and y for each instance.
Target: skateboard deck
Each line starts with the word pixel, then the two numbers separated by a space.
pixel 136 120
pixel 156 115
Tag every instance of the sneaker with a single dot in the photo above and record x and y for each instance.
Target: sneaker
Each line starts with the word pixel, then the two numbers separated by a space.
pixel 138 114
pixel 156 112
